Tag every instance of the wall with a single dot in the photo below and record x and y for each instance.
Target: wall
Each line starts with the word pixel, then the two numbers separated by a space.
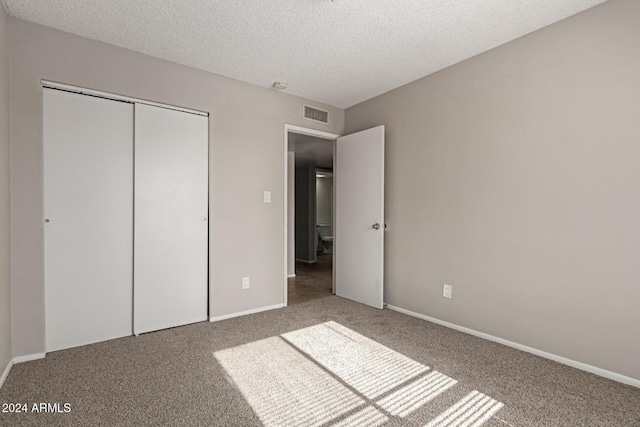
pixel 5 254
pixel 323 200
pixel 246 158
pixel 305 201
pixel 291 214
pixel 514 176
pixel 324 205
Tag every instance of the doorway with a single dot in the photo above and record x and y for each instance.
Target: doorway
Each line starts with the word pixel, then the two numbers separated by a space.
pixel 309 219
pixel 358 225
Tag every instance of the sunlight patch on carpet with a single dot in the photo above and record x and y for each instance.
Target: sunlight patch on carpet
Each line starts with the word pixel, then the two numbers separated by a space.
pixel 472 411
pixel 283 387
pixel 327 374
pixel 369 367
pixel 413 396
pixel 368 417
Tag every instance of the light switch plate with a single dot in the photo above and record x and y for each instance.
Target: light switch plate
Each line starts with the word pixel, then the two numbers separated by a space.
pixel 267 196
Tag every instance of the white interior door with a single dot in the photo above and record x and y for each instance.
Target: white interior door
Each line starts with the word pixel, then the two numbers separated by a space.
pixel 171 212
pixel 88 230
pixel 359 216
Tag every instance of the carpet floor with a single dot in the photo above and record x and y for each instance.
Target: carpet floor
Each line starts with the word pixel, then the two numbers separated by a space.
pixel 324 362
pixel 312 281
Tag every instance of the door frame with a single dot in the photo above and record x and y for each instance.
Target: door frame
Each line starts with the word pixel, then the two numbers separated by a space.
pixel 311 132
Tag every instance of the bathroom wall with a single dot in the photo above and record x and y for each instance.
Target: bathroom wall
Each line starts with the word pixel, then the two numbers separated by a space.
pixel 324 203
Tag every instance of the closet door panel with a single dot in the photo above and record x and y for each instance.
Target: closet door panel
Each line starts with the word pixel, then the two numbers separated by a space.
pixel 171 209
pixel 88 229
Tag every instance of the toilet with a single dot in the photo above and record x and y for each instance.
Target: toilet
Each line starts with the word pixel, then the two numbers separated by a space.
pixel 325 239
pixel 327 243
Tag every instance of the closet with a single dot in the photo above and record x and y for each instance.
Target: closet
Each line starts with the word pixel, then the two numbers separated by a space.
pixel 170 221
pixel 125 212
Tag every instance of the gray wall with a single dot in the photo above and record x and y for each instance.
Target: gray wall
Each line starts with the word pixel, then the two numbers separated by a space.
pixel 246 158
pixel 305 201
pixel 291 214
pixel 515 177
pixel 5 258
pixel 324 190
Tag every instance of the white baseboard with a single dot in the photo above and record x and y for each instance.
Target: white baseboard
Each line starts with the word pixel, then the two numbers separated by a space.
pixel 573 363
pixel 291 275
pixel 244 313
pixel 29 357
pixel 5 373
pixel 306 261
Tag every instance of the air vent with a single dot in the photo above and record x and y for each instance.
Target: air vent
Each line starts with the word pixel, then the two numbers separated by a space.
pixel 315 114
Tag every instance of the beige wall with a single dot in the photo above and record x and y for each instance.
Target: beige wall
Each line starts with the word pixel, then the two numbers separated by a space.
pixel 247 158
pixel 5 258
pixel 515 177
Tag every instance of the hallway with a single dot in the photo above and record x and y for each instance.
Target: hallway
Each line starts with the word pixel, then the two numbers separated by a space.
pixel 312 281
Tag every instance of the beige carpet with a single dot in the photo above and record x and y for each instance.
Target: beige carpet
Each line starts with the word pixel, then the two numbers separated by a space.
pixel 312 281
pixel 321 363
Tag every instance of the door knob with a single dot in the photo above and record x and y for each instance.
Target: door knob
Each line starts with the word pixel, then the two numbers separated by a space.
pixel 376 226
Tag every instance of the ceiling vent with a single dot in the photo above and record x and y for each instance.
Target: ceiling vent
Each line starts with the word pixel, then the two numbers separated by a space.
pixel 316 114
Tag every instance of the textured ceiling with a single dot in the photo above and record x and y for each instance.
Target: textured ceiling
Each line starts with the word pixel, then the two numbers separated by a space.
pixel 338 52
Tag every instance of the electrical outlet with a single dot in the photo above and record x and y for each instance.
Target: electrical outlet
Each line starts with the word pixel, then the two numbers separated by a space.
pixel 446 291
pixel 245 282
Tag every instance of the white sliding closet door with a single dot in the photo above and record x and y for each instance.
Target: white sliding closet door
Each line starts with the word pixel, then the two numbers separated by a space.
pixel 171 210
pixel 88 229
